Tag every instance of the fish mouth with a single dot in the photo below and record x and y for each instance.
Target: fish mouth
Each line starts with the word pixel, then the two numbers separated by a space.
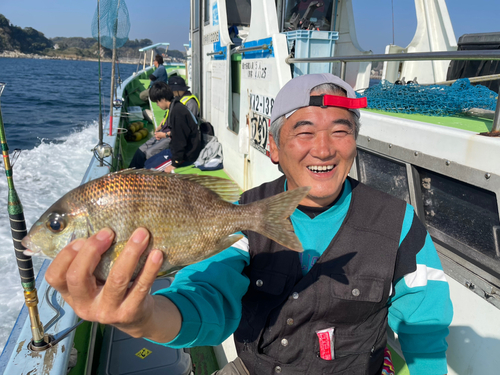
pixel 31 249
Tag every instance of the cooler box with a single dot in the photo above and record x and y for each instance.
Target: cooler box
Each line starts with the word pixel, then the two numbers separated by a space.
pixel 311 43
pixel 135 114
pixel 123 354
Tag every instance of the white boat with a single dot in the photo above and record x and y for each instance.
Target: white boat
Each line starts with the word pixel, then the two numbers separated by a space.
pixel 239 57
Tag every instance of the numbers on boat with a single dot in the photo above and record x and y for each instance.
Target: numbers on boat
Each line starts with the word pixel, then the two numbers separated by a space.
pixel 261 104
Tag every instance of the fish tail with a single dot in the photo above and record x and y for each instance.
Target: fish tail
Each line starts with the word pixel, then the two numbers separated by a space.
pixel 275 211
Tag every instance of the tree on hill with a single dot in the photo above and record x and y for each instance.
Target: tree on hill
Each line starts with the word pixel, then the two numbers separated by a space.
pixel 27 40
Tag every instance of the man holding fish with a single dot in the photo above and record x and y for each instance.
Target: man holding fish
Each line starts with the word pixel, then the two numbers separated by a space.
pixel 367 261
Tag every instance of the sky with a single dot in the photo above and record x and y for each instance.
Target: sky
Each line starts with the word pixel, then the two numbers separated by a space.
pixel 168 20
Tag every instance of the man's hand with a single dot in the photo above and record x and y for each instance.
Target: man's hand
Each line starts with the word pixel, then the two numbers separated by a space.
pixel 160 135
pixel 130 309
pixel 169 169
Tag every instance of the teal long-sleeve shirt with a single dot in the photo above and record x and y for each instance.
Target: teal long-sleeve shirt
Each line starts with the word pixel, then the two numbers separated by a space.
pixel 208 294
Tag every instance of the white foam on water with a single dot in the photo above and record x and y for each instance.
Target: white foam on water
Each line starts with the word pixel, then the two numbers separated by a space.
pixel 41 176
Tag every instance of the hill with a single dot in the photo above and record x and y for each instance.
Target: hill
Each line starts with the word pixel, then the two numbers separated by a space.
pixel 27 40
pixel 30 41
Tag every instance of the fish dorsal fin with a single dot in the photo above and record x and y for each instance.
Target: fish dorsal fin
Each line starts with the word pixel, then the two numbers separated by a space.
pixel 226 189
pixel 139 171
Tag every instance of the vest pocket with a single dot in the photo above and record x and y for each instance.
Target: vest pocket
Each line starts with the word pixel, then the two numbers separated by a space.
pixel 363 289
pixel 355 298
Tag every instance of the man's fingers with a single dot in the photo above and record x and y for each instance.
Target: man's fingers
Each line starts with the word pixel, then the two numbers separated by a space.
pixel 56 273
pixel 147 277
pixel 80 279
pixel 119 277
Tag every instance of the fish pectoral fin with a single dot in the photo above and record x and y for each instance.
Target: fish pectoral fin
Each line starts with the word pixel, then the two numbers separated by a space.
pixel 108 259
pixel 171 272
pixel 90 227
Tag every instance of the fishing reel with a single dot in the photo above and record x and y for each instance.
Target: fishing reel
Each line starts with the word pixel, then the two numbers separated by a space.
pixel 102 151
pixel 117 103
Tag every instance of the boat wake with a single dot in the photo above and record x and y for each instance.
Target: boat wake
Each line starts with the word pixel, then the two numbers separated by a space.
pixel 41 176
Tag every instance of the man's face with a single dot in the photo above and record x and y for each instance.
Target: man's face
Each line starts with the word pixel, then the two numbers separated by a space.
pixel 163 104
pixel 317 149
pixel 155 64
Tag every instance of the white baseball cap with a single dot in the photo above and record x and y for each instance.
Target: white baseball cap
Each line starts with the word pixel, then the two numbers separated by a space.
pixel 296 94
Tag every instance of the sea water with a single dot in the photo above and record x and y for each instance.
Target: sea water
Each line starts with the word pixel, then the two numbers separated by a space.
pixel 50 110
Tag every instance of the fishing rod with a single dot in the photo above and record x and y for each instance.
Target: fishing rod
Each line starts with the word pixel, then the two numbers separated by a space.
pixel 24 262
pixel 113 59
pixel 102 150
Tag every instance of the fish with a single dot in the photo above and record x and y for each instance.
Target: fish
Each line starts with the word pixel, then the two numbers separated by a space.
pixel 190 217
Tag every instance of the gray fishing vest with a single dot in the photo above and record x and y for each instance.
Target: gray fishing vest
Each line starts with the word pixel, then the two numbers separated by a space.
pixel 347 289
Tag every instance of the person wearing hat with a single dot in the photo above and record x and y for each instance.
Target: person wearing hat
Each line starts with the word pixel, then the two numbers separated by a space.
pixel 176 141
pixel 368 262
pixel 159 75
pixel 181 91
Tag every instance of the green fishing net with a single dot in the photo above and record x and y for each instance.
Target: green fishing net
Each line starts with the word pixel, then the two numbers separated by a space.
pixel 433 100
pixel 114 22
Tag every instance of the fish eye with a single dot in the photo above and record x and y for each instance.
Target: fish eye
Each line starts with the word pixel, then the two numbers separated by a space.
pixel 56 222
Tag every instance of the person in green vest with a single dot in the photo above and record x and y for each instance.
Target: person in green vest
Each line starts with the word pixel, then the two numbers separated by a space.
pixel 178 86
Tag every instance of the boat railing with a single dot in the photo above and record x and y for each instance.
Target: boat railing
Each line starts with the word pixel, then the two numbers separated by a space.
pixel 253 48
pixel 152 49
pixel 493 55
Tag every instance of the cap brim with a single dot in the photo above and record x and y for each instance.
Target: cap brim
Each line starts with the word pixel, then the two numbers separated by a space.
pixel 179 88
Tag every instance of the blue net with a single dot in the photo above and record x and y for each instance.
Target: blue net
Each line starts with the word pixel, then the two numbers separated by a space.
pixel 114 21
pixel 434 100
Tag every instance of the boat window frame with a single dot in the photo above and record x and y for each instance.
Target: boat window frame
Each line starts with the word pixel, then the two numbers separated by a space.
pixel 206 12
pixel 195 16
pixel 475 277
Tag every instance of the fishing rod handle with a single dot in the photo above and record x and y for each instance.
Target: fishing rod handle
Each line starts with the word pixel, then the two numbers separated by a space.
pixel 24 262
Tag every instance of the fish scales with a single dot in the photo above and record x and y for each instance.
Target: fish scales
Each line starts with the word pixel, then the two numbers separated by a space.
pixel 186 215
pixel 173 218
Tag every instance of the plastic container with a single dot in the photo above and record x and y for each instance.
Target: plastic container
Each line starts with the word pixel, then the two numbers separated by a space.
pixel 311 43
pixel 122 354
pixel 135 114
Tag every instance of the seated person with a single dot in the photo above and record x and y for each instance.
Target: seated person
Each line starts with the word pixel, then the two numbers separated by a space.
pixel 178 86
pixel 185 143
pixel 159 75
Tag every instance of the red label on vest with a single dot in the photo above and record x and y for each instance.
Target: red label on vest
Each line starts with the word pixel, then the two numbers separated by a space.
pixel 326 342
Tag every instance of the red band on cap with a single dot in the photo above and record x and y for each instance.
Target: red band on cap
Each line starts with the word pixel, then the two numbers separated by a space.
pixel 342 101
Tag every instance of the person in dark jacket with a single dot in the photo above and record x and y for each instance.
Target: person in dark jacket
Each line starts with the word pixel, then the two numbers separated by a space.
pixel 368 262
pixel 159 75
pixel 179 126
pixel 181 91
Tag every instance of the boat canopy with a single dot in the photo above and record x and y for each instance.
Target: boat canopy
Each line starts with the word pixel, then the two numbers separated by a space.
pixel 153 46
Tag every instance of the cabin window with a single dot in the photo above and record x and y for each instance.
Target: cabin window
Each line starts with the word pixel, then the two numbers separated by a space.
pixel 238 12
pixel 383 174
pixel 234 122
pixel 314 19
pixel 459 214
pixel 196 15
pixel 206 14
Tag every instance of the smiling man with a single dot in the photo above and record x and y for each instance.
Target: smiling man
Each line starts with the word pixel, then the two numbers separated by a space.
pixel 367 262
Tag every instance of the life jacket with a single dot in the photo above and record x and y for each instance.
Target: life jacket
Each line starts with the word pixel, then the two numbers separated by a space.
pixel 347 289
pixel 187 98
pixel 164 121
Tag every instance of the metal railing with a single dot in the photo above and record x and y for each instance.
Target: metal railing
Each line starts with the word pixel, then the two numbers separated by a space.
pixel 254 48
pixel 218 53
pixel 421 56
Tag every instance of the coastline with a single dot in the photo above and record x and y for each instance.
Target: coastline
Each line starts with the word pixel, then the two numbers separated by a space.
pixel 20 55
